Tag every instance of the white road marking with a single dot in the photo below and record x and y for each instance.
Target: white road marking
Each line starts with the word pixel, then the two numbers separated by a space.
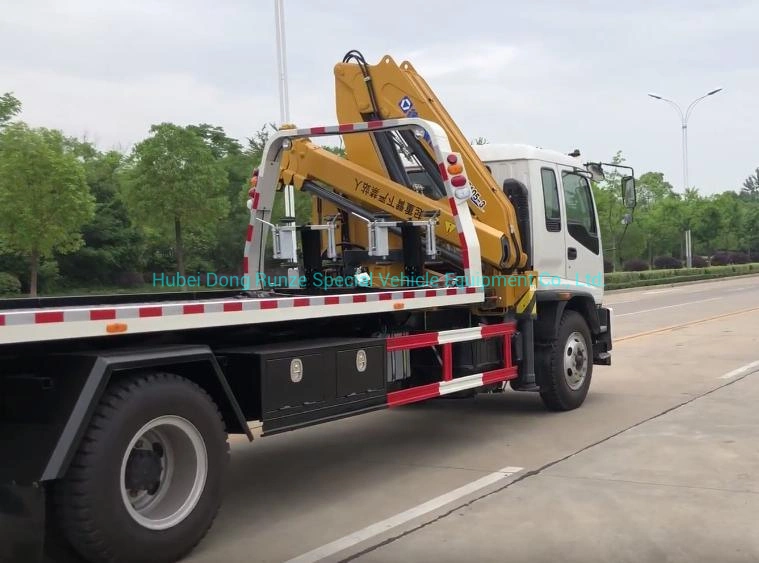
pixel 738 289
pixel 668 307
pixel 394 521
pixel 653 292
pixel 748 368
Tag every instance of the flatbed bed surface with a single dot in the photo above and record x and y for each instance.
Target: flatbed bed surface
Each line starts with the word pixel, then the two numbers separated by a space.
pixel 66 318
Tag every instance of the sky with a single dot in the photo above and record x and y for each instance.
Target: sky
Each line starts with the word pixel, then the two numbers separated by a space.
pixel 556 74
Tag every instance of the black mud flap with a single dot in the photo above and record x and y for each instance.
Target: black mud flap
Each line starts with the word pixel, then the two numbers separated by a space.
pixel 22 523
pixel 27 533
pixel 602 343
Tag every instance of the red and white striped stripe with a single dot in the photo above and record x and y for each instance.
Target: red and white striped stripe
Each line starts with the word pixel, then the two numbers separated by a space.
pixel 449 384
pixel 376 125
pixel 249 235
pixel 33 325
pixel 440 388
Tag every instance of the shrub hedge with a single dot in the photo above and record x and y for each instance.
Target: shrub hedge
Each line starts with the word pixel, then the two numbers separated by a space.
pixel 9 284
pixel 667 263
pixel 624 280
pixel 635 265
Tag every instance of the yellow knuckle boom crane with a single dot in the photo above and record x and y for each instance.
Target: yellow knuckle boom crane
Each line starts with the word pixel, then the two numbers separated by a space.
pixel 393 91
pixel 376 173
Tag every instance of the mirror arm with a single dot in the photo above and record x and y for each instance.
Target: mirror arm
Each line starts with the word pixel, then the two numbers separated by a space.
pixel 632 172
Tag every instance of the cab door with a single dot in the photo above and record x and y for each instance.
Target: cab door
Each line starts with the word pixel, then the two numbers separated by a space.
pixel 584 255
pixel 549 256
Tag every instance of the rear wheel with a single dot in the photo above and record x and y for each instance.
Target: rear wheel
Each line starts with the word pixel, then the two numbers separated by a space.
pixel 566 364
pixel 146 482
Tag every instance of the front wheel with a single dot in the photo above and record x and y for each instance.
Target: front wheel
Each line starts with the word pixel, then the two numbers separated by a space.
pixel 146 482
pixel 566 364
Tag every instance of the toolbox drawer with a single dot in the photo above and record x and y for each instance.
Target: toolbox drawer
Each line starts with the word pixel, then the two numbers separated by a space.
pixel 301 382
pixel 298 381
pixel 360 370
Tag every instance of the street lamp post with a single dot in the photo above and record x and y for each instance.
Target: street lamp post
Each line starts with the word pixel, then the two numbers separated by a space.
pixel 279 22
pixel 684 124
pixel 284 97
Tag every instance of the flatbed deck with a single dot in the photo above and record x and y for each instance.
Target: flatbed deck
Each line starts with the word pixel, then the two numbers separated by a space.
pixel 65 318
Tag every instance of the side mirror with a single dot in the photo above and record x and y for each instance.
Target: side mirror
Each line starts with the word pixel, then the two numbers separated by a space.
pixel 629 197
pixel 596 171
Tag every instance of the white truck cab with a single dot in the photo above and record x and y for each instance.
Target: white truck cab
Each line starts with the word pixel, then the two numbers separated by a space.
pixel 565 233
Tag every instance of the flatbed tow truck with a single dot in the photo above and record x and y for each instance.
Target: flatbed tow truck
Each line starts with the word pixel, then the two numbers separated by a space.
pixel 469 271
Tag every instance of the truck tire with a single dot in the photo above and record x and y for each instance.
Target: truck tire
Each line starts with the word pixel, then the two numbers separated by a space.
pixel 565 365
pixel 146 482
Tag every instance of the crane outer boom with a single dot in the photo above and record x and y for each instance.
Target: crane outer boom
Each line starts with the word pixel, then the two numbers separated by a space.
pixel 400 91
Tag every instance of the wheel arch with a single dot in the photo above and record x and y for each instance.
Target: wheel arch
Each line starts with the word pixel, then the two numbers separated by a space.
pixel 196 363
pixel 551 306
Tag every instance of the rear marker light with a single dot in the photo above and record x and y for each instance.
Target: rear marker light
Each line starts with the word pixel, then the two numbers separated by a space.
pixel 115 328
pixel 458 181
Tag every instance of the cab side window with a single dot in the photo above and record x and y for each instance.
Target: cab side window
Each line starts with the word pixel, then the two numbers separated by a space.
pixel 578 201
pixel 551 200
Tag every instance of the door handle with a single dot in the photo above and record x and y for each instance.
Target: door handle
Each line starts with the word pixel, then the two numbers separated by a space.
pixel 571 253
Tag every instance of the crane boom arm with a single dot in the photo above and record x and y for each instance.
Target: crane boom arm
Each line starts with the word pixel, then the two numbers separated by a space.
pixel 306 161
pixel 386 91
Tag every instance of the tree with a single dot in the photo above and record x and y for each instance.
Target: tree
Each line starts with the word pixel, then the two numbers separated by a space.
pixel 10 106
pixel 257 142
pixel 707 224
pixel 662 224
pixel 225 247
pixel 750 189
pixel 749 238
pixel 611 210
pixel 339 151
pixel 728 205
pixel 44 198
pixel 652 188
pixel 175 184
pixel 112 253
pixel 215 137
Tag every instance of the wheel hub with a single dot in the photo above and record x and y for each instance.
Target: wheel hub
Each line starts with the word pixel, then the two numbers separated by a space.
pixel 575 360
pixel 143 470
pixel 163 472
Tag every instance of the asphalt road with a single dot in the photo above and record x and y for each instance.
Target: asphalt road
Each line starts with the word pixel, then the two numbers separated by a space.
pixel 659 464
